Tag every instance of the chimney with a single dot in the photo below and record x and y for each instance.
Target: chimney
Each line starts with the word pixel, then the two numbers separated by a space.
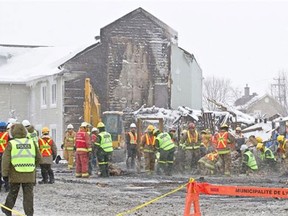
pixel 246 91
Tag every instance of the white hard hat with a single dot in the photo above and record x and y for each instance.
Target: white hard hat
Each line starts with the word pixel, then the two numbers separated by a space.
pixel 243 147
pixel 26 123
pixel 95 129
pixel 70 126
pixel 132 125
pixel 84 124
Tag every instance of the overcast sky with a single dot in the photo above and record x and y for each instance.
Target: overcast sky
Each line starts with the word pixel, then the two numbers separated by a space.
pixel 244 41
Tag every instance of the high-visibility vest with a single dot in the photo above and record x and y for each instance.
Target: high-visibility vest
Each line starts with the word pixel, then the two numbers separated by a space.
pixel 149 143
pixel 45 146
pixel 165 141
pixel 271 156
pixel 133 138
pixel 33 136
pixel 23 154
pixel 192 141
pixel 4 136
pixel 106 141
pixel 221 142
pixel 251 160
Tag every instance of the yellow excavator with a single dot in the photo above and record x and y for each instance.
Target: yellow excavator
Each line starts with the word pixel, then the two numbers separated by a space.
pixel 92 115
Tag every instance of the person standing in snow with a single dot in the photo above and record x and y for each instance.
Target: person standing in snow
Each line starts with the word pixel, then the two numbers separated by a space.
pixel 131 144
pixel 20 168
pixel 104 149
pixel 83 150
pixel 48 151
pixel 225 143
pixel 190 142
pixel 69 145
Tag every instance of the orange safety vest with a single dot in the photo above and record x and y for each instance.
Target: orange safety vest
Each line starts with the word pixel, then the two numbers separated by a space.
pixel 222 140
pixel 4 136
pixel 45 147
pixel 133 138
pixel 150 141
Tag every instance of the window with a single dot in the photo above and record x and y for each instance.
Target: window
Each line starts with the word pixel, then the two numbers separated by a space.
pixel 43 95
pixel 53 95
pixel 53 133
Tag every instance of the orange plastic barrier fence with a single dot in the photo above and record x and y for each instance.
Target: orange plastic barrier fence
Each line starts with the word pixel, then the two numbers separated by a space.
pixel 194 189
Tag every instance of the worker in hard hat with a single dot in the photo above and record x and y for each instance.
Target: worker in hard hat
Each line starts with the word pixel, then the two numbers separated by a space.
pixel 249 163
pixel 4 138
pixel 267 156
pixel 190 143
pixel 206 143
pixel 131 145
pixel 165 145
pixel 83 150
pixel 93 136
pixel 240 139
pixel 48 151
pixel 282 151
pixel 104 149
pixel 148 146
pixel 210 163
pixel 225 143
pixel 69 145
pixel 32 133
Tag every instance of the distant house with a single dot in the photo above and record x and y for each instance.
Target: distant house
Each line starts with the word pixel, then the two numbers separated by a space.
pixel 259 107
pixel 136 61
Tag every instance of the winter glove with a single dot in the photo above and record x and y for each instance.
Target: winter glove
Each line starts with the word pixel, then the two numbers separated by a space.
pixel 54 157
pixel 74 148
pixel 62 146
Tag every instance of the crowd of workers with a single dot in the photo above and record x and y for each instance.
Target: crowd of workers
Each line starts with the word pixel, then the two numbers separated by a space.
pixel 190 151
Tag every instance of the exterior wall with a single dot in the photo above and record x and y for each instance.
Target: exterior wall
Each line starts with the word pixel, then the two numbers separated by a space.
pixel 266 105
pixel 15 101
pixel 186 75
pixel 138 62
pixel 49 115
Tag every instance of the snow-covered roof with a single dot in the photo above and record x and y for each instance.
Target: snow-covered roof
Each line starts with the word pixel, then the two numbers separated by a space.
pixel 263 130
pixel 28 63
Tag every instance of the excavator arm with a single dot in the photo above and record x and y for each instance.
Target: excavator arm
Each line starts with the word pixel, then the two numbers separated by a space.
pixel 92 107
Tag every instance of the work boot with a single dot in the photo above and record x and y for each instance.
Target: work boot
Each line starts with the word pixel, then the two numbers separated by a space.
pixel 51 177
pixel 44 178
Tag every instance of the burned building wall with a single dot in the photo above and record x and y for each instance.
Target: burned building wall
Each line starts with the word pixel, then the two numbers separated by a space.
pixel 138 59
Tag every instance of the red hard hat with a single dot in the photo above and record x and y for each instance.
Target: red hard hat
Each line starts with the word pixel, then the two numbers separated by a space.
pixel 191 125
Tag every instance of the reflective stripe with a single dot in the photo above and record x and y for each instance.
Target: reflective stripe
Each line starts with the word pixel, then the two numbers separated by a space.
pixel 82 149
pixel 70 148
pixel 3 141
pixel 222 140
pixel 45 147
pixel 23 154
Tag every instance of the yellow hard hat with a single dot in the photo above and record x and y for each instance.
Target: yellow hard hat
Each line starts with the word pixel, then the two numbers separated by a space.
pixel 100 125
pixel 259 139
pixel 224 126
pixel 238 129
pixel 150 128
pixel 259 146
pixel 45 130
pixel 280 138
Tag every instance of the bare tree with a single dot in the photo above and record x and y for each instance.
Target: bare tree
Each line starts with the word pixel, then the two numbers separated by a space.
pixel 219 90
